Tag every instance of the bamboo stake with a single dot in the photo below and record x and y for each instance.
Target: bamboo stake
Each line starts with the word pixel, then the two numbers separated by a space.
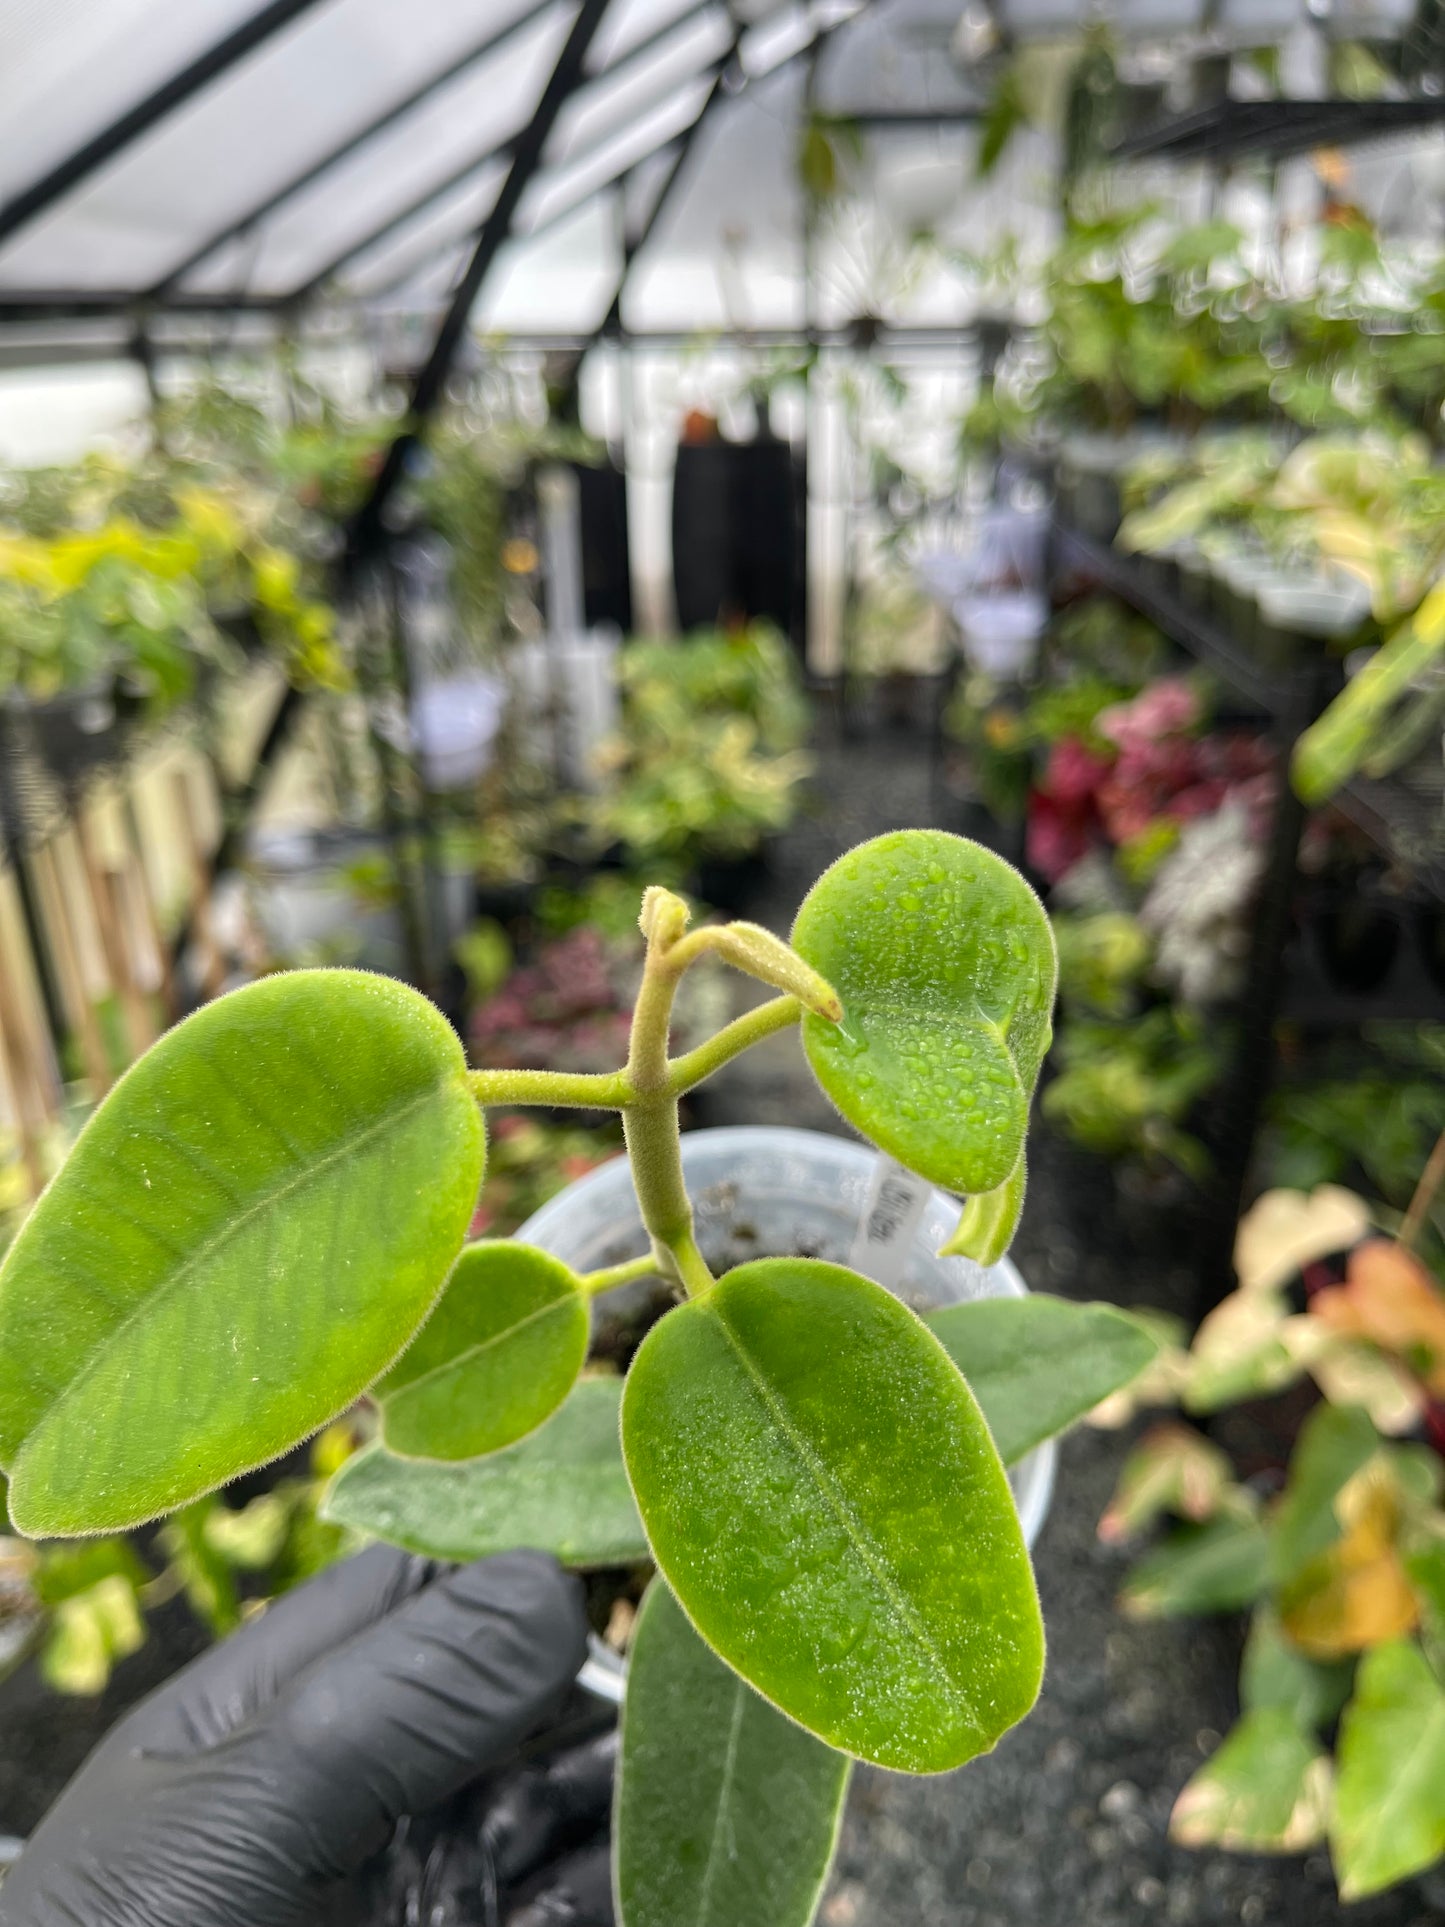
pixel 213 966
pixel 112 941
pixel 14 1061
pixel 72 971
pixel 138 882
pixel 1431 1178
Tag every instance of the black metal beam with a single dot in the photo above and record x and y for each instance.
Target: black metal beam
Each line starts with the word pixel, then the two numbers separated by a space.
pixel 366 529
pixel 730 78
pixel 717 67
pixel 99 304
pixel 634 245
pixel 495 150
pixel 1274 129
pixel 165 99
pixel 432 248
pixel 260 210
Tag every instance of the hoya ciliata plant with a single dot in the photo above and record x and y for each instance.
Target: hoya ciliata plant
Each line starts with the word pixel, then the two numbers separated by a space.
pixel 266 1219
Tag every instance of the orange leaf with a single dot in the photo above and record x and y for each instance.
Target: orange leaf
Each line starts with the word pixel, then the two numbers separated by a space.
pixel 1390 1298
pixel 1355 1594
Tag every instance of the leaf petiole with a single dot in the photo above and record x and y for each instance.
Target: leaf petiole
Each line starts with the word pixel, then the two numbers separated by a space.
pixel 734 1038
pixel 568 1090
pixel 611 1276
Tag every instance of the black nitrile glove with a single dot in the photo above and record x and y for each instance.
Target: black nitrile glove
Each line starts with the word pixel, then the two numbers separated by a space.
pixel 246 1789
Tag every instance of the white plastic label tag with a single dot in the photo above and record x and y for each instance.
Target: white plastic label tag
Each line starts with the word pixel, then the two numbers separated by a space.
pixel 892 1214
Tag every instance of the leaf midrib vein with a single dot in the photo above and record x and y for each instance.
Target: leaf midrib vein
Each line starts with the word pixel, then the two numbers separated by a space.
pixel 475 1351
pixel 730 1762
pixel 1427 1744
pixel 869 1552
pixel 232 1229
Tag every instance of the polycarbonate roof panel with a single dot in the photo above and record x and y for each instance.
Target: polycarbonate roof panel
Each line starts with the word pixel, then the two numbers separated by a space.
pixel 70 67
pixel 288 104
pixel 565 187
pixel 275 179
pixel 895 58
pixel 611 103
pixel 627 22
pixel 449 220
pixel 456 129
pixel 727 251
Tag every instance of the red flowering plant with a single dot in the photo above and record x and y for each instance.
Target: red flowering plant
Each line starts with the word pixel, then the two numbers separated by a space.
pixel 1149 768
pixel 570 1008
pixel 1151 829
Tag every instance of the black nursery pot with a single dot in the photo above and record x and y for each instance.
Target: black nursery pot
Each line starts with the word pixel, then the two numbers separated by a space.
pixel 1430 935
pixel 732 883
pixel 1358 942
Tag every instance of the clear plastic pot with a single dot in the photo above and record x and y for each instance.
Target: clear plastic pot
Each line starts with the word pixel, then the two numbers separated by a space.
pixel 766 1191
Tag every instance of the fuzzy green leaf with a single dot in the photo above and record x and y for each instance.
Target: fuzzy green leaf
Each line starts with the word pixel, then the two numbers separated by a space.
pixel 562 1490
pixel 987 1223
pixel 822 1494
pixel 1266 1790
pixel 727 1813
pixel 247 1232
pixel 498 1355
pixel 945 964
pixel 1037 1364
pixel 1389 1816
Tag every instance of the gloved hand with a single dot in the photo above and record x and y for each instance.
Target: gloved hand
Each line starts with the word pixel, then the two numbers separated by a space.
pixel 243 1791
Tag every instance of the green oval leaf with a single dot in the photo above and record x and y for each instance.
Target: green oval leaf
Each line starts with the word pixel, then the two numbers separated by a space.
pixel 1389 1814
pixel 1037 1364
pixel 1334 1443
pixel 562 1490
pixel 247 1232
pixel 1266 1790
pixel 727 1814
pixel 1216 1567
pixel 498 1355
pixel 945 964
pixel 821 1493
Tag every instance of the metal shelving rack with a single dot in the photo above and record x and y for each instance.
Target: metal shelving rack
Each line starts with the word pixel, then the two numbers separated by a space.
pixel 1397 821
pixel 1232 130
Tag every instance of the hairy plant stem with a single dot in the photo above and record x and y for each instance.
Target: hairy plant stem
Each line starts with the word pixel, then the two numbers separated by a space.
pixel 647 1090
pixel 734 1038
pixel 568 1090
pixel 650 1121
pixel 611 1276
